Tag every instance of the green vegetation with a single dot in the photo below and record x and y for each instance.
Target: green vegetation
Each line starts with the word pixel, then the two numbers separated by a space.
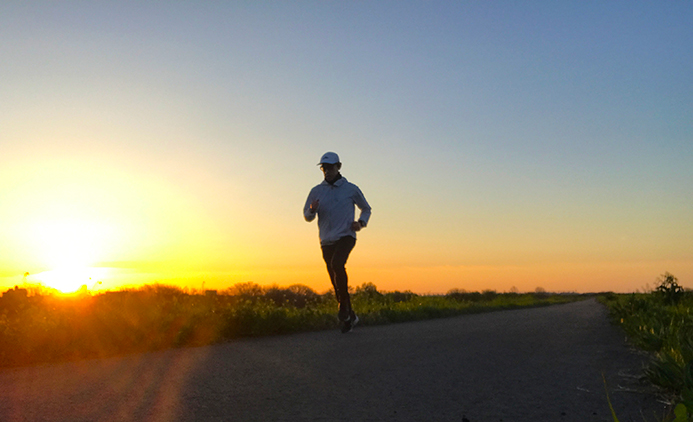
pixel 36 327
pixel 661 322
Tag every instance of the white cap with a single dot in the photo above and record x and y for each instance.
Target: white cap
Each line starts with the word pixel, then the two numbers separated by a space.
pixel 329 158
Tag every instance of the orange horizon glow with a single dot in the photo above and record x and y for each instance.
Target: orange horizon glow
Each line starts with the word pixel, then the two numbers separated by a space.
pixel 584 278
pixel 125 227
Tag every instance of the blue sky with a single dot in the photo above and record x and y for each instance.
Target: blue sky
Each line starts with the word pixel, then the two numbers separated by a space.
pixel 491 138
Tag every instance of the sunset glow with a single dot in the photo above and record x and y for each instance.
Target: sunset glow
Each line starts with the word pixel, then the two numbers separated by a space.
pixel 68 248
pixel 515 146
pixel 69 244
pixel 69 279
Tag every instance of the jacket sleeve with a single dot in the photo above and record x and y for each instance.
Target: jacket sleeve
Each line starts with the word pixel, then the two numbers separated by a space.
pixel 309 216
pixel 361 202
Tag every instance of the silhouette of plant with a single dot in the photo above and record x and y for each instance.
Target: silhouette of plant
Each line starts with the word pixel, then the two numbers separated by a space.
pixel 669 289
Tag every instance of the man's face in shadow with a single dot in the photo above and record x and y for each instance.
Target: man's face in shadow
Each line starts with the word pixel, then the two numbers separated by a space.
pixel 330 171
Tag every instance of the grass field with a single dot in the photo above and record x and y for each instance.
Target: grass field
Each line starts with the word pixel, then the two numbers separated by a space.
pixel 37 328
pixel 661 322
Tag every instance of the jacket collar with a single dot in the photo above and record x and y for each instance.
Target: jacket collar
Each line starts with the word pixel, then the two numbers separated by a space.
pixel 339 182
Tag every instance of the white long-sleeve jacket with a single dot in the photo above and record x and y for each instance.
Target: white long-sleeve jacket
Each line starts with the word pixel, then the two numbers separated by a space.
pixel 336 209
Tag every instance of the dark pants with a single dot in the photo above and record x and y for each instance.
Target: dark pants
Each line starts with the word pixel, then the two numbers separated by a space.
pixel 335 257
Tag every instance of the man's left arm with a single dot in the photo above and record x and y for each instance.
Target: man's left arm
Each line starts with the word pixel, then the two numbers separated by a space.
pixel 361 202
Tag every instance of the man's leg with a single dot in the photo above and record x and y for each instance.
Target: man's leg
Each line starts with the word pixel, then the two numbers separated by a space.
pixel 327 254
pixel 341 253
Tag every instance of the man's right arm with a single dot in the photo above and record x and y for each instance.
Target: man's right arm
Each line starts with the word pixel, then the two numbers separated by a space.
pixel 310 208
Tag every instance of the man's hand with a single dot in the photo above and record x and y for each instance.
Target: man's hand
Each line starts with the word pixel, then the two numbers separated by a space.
pixel 314 206
pixel 356 226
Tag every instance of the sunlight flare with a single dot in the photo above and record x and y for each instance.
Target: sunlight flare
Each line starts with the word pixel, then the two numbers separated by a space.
pixel 69 248
pixel 71 279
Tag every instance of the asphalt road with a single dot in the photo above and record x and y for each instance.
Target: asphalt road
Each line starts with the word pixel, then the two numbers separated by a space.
pixel 541 364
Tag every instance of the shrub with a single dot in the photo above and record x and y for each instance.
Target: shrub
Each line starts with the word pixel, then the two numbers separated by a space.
pixel 661 322
pixel 669 290
pixel 397 296
pixel 462 295
pixel 298 296
pixel 368 290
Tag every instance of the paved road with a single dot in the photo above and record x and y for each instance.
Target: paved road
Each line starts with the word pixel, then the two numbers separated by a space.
pixel 542 364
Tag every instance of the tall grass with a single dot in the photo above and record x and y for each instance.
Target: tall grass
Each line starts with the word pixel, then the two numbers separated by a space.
pixel 661 322
pixel 50 328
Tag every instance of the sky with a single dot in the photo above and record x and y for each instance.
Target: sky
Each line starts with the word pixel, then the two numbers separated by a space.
pixel 502 145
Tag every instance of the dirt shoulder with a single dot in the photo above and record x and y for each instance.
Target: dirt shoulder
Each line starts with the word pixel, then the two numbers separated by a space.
pixel 541 364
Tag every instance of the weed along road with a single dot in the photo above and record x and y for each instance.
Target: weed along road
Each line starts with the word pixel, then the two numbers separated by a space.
pixel 541 364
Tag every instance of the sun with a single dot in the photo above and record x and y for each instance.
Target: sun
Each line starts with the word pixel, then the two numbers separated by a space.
pixel 69 248
pixel 71 279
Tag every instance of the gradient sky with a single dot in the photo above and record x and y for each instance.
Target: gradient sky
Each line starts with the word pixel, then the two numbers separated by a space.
pixel 500 144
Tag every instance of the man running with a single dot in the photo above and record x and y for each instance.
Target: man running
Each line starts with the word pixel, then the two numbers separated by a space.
pixel 333 202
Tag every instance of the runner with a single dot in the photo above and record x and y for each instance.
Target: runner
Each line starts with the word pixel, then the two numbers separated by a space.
pixel 333 202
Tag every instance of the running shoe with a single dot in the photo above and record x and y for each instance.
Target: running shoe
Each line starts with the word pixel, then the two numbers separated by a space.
pixel 348 325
